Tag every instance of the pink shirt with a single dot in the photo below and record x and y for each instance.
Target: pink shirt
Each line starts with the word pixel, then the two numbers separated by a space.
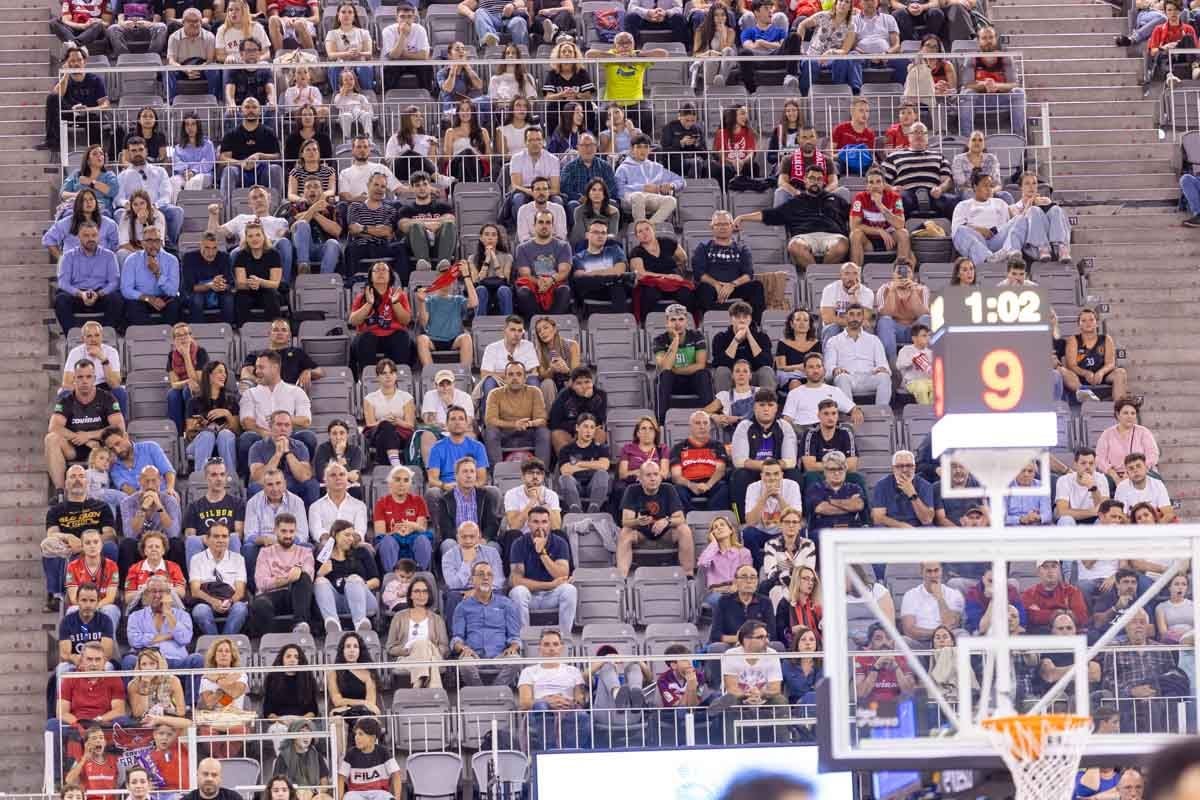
pixel 274 563
pixel 1113 446
pixel 720 565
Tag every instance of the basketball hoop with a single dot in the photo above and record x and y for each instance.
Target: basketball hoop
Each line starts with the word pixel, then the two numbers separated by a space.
pixel 1042 751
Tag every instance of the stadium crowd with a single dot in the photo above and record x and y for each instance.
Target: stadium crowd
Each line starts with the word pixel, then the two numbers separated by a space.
pixel 481 430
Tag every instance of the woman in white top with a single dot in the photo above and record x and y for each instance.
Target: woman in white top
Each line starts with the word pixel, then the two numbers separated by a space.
pixel 354 109
pixel 221 689
pixel 410 148
pixel 860 618
pixel 1173 618
pixel 390 414
pixel 238 25
pixel 139 215
pixel 302 93
pixel 418 633
pixel 736 404
pixel 349 42
pixel 510 137
pixel 510 80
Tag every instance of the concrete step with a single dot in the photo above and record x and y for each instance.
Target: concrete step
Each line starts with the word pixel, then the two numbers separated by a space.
pixel 22 56
pixel 1152 137
pixel 1077 43
pixel 1073 106
pixel 1147 180
pixel 33 16
pixel 1067 168
pixel 1069 22
pixel 1132 234
pixel 1015 13
pixel 13 38
pixel 1069 123
pixel 1098 79
pixel 1093 93
pixel 1100 194
pixel 1047 64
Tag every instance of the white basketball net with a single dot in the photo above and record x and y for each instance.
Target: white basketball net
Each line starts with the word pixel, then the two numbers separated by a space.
pixel 1041 751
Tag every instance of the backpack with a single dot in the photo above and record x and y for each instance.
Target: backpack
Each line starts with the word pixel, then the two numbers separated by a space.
pixel 609 22
pixel 855 159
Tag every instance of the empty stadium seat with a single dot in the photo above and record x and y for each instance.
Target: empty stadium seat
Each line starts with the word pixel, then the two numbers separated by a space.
pixel 659 594
pixel 419 720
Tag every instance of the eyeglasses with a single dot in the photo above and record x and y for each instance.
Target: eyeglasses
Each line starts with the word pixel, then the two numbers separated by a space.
pixel 905 466
pixel 760 637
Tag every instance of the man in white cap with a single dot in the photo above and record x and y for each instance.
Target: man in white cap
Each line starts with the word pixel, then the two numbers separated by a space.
pixel 681 355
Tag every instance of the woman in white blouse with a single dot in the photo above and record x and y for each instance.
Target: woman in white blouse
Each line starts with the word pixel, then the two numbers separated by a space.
pixel 238 25
pixel 348 41
pixel 390 414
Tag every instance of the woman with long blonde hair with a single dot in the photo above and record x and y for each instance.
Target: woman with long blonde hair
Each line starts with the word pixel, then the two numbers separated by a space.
pixel 720 560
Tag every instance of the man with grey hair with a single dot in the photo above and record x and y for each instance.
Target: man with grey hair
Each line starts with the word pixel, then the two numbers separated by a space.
pixel 839 295
pixel 724 270
pixel 834 502
pixel 192 44
pixel 338 504
pixel 698 467
pixel 903 499
pixel 150 509
pixel 159 623
pixel 459 557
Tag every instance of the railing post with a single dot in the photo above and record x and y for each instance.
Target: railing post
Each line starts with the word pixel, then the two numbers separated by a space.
pixel 191 749
pixel 48 766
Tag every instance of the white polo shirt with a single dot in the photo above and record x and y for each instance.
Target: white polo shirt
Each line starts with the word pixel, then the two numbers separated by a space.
pixel 923 607
pixel 262 401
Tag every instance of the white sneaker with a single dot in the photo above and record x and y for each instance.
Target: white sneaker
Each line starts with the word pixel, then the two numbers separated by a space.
pixel 1087 394
pixel 791 82
pixel 444 264
pixel 301 628
pixel 333 628
pixel 363 625
pixel 718 80
pixel 490 39
pixel 424 265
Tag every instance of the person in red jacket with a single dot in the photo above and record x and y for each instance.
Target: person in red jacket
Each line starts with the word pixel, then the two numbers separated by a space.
pixel 1050 596
pixel 1167 36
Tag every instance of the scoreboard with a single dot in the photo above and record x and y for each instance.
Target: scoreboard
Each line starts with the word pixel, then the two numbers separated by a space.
pixel 992 367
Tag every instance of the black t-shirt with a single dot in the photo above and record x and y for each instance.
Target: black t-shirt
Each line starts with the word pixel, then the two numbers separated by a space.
pixel 573 454
pixel 200 406
pixel 555 83
pixel 660 505
pixel 75 518
pixel 197 270
pixel 258 267
pixel 241 143
pixel 664 262
pixel 808 213
pixel 250 83
pixel 293 361
pixel 156 144
pixel 430 211
pixel 817 446
pixel 86 417
pixel 89 92
pixel 792 355
pixel 202 514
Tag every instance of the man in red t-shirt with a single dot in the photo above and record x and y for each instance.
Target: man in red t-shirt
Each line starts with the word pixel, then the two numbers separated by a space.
pixel 169 757
pixel 97 770
pixel 87 695
pixel 698 466
pixel 877 221
pixel 854 132
pixel 1045 599
pixel 402 523
pixel 881 678
pixel 897 134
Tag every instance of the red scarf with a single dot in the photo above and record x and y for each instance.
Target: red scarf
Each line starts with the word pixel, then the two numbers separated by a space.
pixel 544 298
pixel 797 173
pixel 664 283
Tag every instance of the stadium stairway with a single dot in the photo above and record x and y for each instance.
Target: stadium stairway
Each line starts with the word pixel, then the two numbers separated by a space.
pixel 1118 173
pixel 24 389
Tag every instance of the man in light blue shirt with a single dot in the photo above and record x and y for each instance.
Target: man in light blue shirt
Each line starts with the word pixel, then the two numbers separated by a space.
pixel 160 623
pixel 150 282
pixel 1027 510
pixel 459 557
pixel 439 469
pixel 141 174
pixel 486 625
pixel 88 280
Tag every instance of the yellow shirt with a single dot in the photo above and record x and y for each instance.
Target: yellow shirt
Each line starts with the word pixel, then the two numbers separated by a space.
pixel 623 81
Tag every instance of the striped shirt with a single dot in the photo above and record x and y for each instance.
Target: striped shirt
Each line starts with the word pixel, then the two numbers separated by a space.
pixel 366 216
pixel 323 173
pixel 912 169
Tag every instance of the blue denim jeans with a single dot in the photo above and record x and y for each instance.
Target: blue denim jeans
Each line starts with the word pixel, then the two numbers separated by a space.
pixel 223 301
pixel 330 251
pixel 223 441
pixel 235 620
pixel 392 547
pixel 504 300
pixel 488 23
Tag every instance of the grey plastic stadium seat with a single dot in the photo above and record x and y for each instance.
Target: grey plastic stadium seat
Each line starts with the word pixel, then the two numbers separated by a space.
pixel 147 347
pixel 218 339
pixel 698 200
pixel 485 330
pixel 253 337
pixel 620 636
pixel 601 595
pixel 419 719
pixel 162 431
pixel 147 393
pixel 506 475
pixel 512 774
pixel 626 389
pixel 661 635
pixel 323 342
pixel 242 775
pixel 481 705
pixel 321 292
pixel 434 774
pixel 587 550
pixel 659 594
pixel 901 577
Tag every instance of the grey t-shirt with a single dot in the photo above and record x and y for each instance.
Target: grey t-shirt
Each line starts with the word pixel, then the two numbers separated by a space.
pixel 543 259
